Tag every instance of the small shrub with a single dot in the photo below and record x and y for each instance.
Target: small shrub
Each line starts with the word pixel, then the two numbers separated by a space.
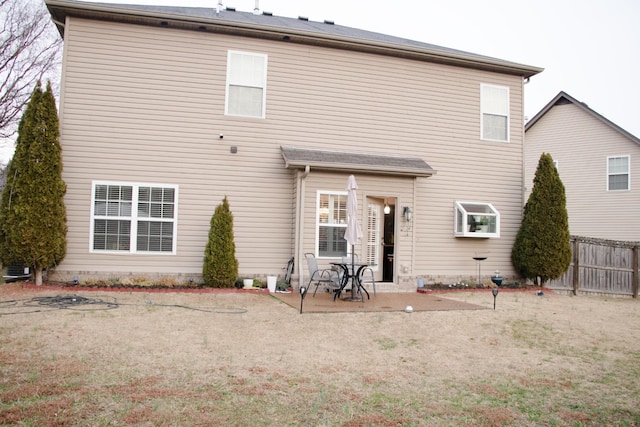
pixel 168 282
pixel 220 267
pixel 141 281
pixel 126 282
pixel 191 283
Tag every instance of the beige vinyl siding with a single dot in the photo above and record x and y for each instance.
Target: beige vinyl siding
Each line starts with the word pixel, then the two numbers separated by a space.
pixel 581 144
pixel 146 104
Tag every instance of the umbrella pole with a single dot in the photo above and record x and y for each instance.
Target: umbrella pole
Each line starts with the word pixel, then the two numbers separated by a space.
pixel 353 272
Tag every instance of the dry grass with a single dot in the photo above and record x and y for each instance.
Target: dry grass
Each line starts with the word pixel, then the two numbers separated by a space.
pixel 240 359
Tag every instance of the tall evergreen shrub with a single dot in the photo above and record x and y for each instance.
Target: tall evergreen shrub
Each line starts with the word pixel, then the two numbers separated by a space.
pixel 220 269
pixel 542 247
pixel 33 220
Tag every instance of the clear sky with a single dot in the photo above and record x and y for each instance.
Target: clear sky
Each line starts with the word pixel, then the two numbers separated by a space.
pixel 588 48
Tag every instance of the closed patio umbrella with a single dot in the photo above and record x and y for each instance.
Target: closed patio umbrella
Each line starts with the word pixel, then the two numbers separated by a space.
pixel 353 233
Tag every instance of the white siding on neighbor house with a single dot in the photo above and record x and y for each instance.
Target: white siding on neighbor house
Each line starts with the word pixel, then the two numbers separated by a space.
pixel 146 104
pixel 581 144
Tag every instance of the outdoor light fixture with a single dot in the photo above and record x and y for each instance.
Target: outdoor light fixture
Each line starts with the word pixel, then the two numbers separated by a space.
pixel 303 293
pixel 497 279
pixel 387 209
pixel 406 211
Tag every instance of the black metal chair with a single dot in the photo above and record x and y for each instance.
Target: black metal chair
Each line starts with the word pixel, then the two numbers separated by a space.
pixel 327 277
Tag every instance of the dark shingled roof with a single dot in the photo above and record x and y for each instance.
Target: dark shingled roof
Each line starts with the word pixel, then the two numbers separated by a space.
pixel 293 30
pixel 281 22
pixel 299 158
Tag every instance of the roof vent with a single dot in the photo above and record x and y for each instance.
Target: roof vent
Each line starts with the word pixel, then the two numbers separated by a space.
pixel 267 13
pixel 328 22
pixel 303 18
pixel 231 9
pixel 256 9
pixel 219 8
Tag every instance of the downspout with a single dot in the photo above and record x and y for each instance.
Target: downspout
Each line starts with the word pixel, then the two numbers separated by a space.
pixel 524 164
pixel 300 223
pixel 413 231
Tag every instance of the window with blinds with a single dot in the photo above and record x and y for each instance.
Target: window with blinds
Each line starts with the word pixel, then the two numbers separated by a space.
pixel 118 227
pixel 618 173
pixel 331 223
pixel 246 84
pixel 494 105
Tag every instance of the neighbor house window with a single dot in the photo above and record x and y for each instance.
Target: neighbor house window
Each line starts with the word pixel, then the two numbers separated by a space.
pixel 494 105
pixel 331 224
pixel 618 173
pixel 476 219
pixel 133 218
pixel 246 84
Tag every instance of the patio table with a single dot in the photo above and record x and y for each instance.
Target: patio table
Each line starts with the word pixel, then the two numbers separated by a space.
pixel 349 275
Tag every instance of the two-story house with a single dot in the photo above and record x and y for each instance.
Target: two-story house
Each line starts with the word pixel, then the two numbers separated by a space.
pixel 597 162
pixel 164 111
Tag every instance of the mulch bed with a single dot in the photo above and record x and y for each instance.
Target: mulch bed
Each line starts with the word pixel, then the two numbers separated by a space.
pixel 134 288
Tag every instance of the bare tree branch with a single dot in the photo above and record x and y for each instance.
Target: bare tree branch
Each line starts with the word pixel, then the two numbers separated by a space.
pixel 30 50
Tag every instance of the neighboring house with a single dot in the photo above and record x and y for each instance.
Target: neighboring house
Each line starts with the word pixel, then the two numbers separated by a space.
pixel 598 162
pixel 164 111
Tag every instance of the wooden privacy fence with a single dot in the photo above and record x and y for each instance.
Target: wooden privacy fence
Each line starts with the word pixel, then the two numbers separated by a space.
pixel 601 266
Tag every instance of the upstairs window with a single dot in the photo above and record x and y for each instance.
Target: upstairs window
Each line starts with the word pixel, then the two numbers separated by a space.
pixel 494 105
pixel 133 218
pixel 246 84
pixel 476 219
pixel 618 173
pixel 331 225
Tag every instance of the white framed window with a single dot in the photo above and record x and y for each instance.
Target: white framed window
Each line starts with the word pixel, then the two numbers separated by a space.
pixel 494 112
pixel 618 171
pixel 133 218
pixel 246 84
pixel 331 223
pixel 476 219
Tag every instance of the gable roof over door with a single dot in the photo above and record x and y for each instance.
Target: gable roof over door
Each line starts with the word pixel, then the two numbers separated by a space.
pixel 564 98
pixel 290 30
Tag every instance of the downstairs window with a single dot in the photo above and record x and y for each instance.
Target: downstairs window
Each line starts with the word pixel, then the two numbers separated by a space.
pixel 331 223
pixel 476 219
pixel 133 218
